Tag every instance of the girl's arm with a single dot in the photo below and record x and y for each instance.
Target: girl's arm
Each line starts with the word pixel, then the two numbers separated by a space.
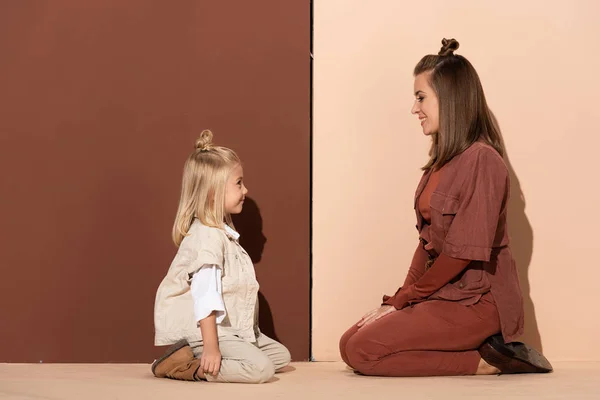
pixel 209 310
pixel 210 363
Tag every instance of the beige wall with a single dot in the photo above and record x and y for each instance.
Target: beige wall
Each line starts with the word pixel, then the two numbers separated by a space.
pixel 539 63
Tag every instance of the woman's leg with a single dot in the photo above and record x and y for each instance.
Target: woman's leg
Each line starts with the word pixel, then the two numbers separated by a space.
pixel 427 363
pixel 344 341
pixel 438 337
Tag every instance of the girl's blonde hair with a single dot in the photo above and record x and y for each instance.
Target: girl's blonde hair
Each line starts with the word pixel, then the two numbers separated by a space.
pixel 205 175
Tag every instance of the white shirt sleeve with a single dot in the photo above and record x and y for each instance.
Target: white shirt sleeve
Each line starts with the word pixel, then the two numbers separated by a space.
pixel 206 293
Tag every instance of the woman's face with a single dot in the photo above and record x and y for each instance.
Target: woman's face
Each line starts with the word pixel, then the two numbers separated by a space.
pixel 426 105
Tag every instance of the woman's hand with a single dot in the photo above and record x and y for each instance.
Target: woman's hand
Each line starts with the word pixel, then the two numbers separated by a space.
pixel 374 315
pixel 210 362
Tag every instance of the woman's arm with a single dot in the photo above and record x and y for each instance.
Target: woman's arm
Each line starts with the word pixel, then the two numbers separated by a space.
pixel 417 266
pixel 443 270
pixel 416 270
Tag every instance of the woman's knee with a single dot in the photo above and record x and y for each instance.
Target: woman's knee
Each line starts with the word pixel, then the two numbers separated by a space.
pixel 344 343
pixel 363 353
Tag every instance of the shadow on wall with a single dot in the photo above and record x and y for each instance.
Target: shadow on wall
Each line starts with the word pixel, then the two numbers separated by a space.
pixel 249 224
pixel 521 243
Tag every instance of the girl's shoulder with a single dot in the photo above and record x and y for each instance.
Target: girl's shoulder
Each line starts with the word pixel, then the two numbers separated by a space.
pixel 200 235
pixel 202 245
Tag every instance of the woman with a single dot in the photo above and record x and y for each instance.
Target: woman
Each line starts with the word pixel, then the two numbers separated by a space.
pixel 460 307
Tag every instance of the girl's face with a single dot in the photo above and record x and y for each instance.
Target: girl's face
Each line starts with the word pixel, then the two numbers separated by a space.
pixel 426 105
pixel 235 191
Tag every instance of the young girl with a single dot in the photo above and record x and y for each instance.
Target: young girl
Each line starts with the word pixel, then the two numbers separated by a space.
pixel 207 304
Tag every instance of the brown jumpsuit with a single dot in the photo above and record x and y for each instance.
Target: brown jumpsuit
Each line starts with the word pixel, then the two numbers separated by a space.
pixel 470 292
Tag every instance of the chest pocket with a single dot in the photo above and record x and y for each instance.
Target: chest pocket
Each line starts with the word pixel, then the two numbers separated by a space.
pixel 238 274
pixel 233 273
pixel 443 211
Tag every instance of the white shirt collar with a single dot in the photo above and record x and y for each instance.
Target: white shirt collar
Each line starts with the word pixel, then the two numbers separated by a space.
pixel 231 232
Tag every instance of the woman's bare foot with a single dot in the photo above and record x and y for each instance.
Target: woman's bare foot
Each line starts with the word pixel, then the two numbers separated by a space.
pixel 486 369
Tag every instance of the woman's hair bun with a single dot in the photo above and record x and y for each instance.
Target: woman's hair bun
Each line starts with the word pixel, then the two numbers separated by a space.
pixel 449 46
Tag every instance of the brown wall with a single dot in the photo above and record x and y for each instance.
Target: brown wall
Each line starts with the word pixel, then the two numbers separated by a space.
pixel 100 102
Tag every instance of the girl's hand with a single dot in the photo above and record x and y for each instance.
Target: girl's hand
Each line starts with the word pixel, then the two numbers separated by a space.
pixel 374 315
pixel 210 362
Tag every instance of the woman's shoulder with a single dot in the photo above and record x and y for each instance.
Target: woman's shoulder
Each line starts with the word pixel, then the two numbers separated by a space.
pixel 479 161
pixel 481 153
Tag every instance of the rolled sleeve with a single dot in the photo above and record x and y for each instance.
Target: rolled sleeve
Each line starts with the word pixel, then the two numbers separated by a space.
pixel 204 247
pixel 472 233
pixel 206 293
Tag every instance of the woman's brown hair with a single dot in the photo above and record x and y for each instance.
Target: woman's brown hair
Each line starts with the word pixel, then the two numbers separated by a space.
pixel 464 115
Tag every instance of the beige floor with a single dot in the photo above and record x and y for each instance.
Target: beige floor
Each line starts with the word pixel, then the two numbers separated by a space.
pixel 308 381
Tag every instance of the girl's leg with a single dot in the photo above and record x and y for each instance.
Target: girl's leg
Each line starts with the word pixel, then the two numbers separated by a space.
pixel 241 362
pixel 277 353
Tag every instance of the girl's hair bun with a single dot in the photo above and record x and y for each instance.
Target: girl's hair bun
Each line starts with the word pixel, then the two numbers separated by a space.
pixel 204 142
